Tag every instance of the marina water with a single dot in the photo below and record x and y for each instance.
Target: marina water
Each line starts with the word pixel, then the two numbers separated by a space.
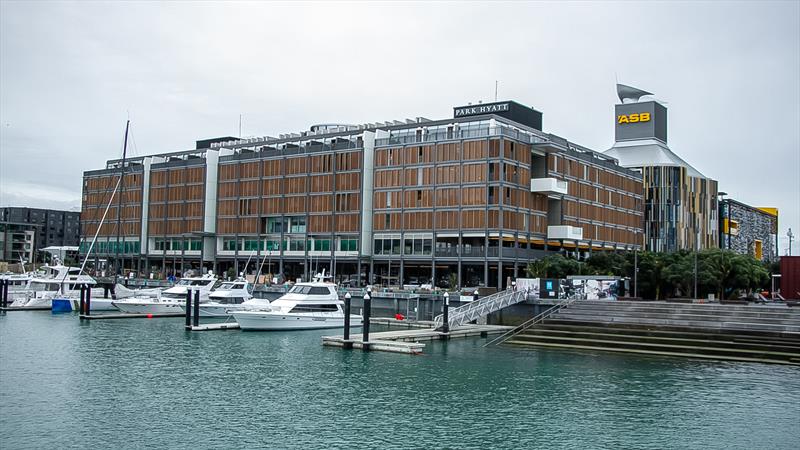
pixel 147 383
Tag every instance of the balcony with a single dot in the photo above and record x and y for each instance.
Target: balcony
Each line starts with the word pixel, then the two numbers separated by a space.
pixel 564 232
pixel 549 186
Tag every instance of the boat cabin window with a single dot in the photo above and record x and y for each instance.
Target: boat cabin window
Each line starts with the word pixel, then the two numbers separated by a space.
pixel 230 286
pixel 231 300
pixel 38 286
pixel 310 290
pixel 186 282
pixel 314 308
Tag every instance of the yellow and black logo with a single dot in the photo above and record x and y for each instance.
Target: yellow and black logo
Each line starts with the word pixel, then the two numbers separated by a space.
pixel 634 118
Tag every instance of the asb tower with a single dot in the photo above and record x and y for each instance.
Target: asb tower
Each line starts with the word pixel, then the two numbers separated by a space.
pixel 680 203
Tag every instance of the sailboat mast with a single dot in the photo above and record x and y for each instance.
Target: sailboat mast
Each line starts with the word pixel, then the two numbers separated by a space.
pixel 118 266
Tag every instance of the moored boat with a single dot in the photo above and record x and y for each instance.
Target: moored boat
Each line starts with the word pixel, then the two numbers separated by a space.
pixel 171 300
pixel 307 306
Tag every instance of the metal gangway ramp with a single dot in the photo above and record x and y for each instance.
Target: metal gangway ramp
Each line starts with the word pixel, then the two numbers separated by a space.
pixel 480 308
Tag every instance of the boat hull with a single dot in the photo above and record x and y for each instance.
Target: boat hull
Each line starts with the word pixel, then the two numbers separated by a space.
pixel 210 311
pixel 147 307
pixel 269 321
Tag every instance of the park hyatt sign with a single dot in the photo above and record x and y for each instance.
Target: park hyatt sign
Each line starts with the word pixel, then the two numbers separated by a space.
pixel 508 109
pixel 481 109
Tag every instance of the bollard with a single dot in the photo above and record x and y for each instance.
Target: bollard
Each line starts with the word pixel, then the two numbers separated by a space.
pixel 446 306
pixel 475 296
pixel 365 335
pixel 196 318
pixel 188 309
pixel 347 344
pixel 82 304
pixel 88 304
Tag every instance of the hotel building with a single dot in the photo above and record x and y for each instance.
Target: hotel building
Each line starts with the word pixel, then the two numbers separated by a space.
pixel 468 200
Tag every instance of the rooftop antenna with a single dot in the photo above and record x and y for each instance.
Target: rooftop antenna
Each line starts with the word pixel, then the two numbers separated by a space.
pixel 240 126
pixel 495 89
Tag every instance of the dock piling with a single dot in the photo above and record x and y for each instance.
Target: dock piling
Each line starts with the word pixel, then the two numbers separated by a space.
pixel 88 303
pixel 445 308
pixel 347 343
pixel 196 318
pixel 82 305
pixel 3 294
pixel 188 309
pixel 365 331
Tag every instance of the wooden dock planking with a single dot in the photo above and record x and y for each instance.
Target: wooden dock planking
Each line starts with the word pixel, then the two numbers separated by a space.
pixel 407 341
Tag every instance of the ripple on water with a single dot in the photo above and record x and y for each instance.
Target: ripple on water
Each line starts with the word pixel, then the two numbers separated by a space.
pixel 143 383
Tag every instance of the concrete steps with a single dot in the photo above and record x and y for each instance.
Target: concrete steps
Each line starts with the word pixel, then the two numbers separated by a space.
pixel 734 333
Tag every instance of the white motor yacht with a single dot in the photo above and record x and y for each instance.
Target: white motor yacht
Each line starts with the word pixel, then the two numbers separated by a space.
pixel 57 282
pixel 230 296
pixel 170 300
pixel 307 306
pixel 17 282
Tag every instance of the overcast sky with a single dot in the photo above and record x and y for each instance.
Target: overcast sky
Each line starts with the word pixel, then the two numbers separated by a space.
pixel 72 73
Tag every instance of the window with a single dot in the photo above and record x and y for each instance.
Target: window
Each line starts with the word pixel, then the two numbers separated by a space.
pixel 272 245
pixel 275 225
pixel 314 308
pixel 297 245
pixel 348 245
pixel 322 245
pixel 297 224
pixel 227 244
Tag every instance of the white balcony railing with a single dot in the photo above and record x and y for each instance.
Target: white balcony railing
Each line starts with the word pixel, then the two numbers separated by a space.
pixel 564 232
pixel 549 186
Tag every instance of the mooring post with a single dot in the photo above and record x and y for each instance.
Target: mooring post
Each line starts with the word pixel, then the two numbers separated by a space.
pixel 188 309
pixel 88 303
pixel 347 343
pixel 365 335
pixel 196 318
pixel 3 299
pixel 105 291
pixel 475 296
pixel 445 307
pixel 4 293
pixel 82 304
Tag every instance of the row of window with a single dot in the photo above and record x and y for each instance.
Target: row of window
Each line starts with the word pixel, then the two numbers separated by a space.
pixel 178 244
pixel 106 247
pixel 410 246
pixel 289 244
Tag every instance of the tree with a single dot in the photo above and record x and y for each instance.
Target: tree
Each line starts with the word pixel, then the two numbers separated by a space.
pixel 553 266
pixel 607 263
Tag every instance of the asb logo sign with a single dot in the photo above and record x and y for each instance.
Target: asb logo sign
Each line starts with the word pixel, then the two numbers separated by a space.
pixel 634 117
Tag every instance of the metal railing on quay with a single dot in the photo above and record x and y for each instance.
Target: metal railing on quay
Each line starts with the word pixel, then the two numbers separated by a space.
pixel 532 322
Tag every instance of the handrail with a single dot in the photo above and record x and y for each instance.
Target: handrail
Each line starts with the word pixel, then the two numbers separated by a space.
pixel 531 322
pixel 481 307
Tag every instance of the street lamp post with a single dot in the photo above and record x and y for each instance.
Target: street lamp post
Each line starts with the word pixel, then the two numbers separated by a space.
pixel 721 202
pixel 790 236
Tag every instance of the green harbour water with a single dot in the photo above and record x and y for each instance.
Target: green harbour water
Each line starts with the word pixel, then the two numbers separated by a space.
pixel 140 383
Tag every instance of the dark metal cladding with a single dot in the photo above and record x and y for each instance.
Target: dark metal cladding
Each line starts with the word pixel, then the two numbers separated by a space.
pixel 508 109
